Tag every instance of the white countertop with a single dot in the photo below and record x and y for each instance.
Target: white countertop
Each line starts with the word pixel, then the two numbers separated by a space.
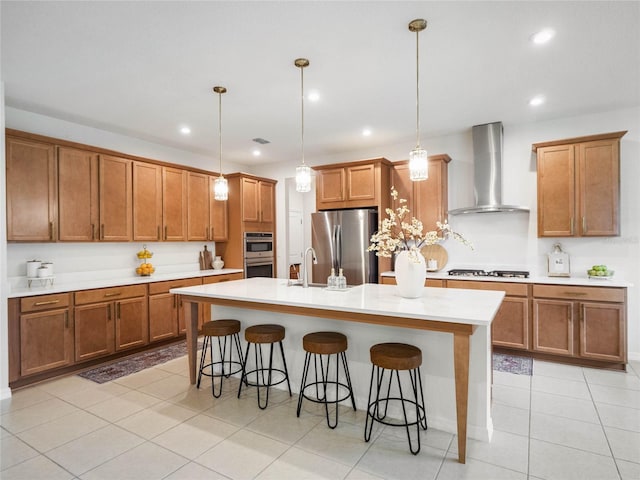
pixel 41 287
pixel 475 307
pixel 575 279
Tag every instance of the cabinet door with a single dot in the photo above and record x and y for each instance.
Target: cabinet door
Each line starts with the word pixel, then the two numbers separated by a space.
pixel 430 201
pixel 267 209
pixel 403 185
pixel 250 200
pixel 553 326
pixel 174 204
pixel 219 217
pixel 115 199
pixel 361 183
pixel 331 185
pixel 31 191
pixel 163 316
pixel 46 341
pixel 510 327
pixel 603 331
pixel 598 180
pixel 94 330
pixel 198 207
pixel 556 191
pixel 78 195
pixel 147 202
pixel 132 323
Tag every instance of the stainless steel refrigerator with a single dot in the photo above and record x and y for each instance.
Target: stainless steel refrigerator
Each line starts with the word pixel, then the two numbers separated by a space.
pixel 340 239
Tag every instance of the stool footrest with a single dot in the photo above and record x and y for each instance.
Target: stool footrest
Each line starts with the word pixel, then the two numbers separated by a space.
pixel 398 423
pixel 315 399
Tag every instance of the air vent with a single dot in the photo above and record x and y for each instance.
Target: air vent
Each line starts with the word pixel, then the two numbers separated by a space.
pixel 261 141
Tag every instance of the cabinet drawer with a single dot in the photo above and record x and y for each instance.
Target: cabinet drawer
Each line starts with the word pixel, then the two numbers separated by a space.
pixel 222 278
pixel 164 287
pixel 45 302
pixel 108 294
pixel 512 289
pixel 603 294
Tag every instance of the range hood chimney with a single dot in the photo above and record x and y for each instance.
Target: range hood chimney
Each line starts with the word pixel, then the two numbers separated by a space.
pixel 487 172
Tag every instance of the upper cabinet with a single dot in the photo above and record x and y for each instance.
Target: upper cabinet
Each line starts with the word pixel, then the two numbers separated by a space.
pixel 198 227
pixel 352 185
pixel 427 199
pixel 147 202
pixel 254 198
pixel 579 186
pixel 116 187
pixel 31 190
pixel 218 216
pixel 174 204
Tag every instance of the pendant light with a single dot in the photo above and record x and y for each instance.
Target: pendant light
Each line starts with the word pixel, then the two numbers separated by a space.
pixel 418 162
pixel 220 185
pixel 303 171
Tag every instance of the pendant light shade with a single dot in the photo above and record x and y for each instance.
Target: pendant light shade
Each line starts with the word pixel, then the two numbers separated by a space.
pixel 303 171
pixel 220 185
pixel 418 161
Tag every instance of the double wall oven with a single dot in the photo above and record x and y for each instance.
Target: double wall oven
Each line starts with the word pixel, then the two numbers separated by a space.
pixel 258 254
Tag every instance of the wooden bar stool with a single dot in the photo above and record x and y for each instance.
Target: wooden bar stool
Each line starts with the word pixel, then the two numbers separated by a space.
pixel 396 357
pixel 316 345
pixel 257 335
pixel 222 330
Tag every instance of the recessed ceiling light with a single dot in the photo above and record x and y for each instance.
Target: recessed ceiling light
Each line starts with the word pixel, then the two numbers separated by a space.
pixel 256 153
pixel 185 130
pixel 314 96
pixel 366 132
pixel 543 36
pixel 536 101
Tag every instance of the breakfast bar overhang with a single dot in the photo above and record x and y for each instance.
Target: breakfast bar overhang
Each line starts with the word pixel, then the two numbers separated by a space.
pixel 466 314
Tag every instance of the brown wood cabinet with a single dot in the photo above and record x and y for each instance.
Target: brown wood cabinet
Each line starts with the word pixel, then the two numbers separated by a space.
pixel 116 187
pixel 165 312
pixel 198 215
pixel 579 186
pixel 429 282
pixel 428 199
pixel 109 320
pixel 174 204
pixel 218 216
pixel 147 202
pixel 31 190
pixel 352 185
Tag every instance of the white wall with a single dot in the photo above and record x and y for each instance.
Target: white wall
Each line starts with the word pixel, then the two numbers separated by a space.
pixel 4 287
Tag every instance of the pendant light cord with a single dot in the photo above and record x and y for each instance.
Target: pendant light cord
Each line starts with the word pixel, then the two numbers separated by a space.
pixel 220 130
pixel 302 110
pixel 417 91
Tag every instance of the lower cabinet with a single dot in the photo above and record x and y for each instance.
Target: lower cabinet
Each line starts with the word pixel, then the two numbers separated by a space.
pixel 109 320
pixel 429 282
pixel 165 313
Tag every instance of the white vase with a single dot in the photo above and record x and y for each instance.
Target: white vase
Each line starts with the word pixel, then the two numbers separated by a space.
pixel 410 274
pixel 218 263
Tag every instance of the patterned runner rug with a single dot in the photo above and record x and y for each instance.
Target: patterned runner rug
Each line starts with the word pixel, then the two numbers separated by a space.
pixel 512 364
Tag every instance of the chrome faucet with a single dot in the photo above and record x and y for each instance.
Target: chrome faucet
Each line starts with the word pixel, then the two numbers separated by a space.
pixel 305 281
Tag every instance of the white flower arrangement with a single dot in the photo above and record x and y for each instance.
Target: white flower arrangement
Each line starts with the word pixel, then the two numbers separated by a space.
pixel 400 231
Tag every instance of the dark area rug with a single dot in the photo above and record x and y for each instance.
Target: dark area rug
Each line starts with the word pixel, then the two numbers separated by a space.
pixel 512 364
pixel 135 363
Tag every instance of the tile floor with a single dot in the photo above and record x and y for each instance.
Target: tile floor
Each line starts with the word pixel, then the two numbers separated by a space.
pixel 562 423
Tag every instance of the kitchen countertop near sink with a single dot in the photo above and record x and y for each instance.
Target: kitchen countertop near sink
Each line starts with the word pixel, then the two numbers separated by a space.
pixel 575 279
pixel 69 284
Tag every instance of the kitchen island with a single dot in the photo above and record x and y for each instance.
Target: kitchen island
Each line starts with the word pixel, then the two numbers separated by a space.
pixel 451 326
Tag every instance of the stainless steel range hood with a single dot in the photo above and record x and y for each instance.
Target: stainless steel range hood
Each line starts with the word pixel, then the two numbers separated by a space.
pixel 487 172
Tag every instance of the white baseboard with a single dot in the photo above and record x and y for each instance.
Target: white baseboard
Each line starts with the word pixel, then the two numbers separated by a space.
pixel 635 356
pixel 5 393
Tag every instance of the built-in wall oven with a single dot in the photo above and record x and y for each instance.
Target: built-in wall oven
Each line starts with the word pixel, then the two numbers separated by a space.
pixel 258 254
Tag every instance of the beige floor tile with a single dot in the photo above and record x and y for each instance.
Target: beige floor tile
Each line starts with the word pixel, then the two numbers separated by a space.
pixel 356 474
pixel 281 423
pixel 147 461
pixel 156 419
pixel 14 451
pixel 557 370
pixel 178 366
pixel 562 406
pixel 192 471
pixel 511 379
pixel 616 396
pixel 510 419
pixel 195 399
pixel 431 437
pixel 29 417
pixel 195 436
pixel 625 444
pixel 95 448
pixel 243 455
pixel 167 387
pixel 299 464
pixel 628 470
pixel 239 411
pixel 37 468
pixel 619 417
pixel 505 450
pixel 142 378
pixel 568 432
pixel 66 385
pixel 555 462
pixel 475 470
pixel 612 379
pixel 93 394
pixel 511 396
pixel 561 386
pixel 123 406
pixel 62 430
pixel 23 398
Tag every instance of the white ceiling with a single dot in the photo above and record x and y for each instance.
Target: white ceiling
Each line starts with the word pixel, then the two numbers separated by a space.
pixel 145 68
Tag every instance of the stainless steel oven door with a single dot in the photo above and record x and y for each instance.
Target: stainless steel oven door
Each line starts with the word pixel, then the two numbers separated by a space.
pixel 258 267
pixel 258 244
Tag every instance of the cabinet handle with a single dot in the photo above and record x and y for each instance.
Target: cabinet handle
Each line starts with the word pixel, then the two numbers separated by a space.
pixel 49 302
pixel 571 226
pixel 93 231
pixel 115 294
pixel 50 230
pixel 102 232
pixel 175 301
pixel 584 225
pixel 109 312
pixel 66 319
pixel 158 234
pixel 575 294
pixel 166 232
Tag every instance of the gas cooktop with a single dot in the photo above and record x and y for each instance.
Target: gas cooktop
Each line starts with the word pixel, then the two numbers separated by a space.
pixel 460 272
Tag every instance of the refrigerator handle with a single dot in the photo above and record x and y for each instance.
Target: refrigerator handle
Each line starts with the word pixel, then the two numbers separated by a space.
pixel 338 245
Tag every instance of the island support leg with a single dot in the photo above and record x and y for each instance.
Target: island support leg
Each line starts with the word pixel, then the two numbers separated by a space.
pixel 461 367
pixel 191 322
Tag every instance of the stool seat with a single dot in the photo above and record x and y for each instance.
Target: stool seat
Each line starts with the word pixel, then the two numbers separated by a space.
pixel 324 343
pixel 266 333
pixel 396 356
pixel 220 328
